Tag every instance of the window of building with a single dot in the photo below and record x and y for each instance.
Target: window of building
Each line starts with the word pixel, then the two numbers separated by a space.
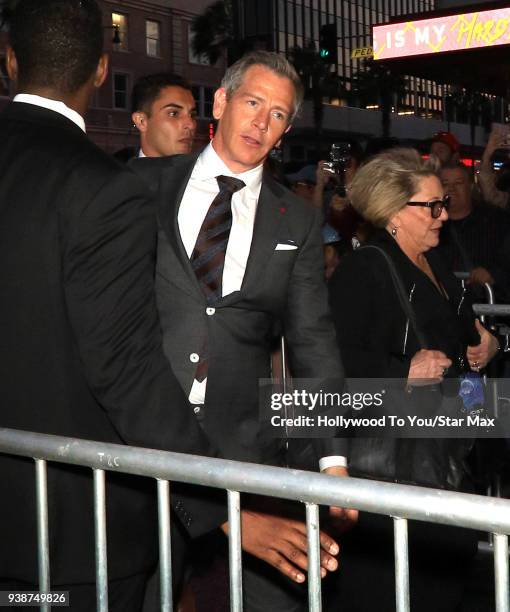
pixel 152 38
pixel 4 78
pixel 120 23
pixel 204 97
pixel 208 101
pixel 120 90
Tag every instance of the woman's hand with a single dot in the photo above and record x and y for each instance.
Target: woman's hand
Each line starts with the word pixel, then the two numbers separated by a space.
pixel 480 355
pixel 428 367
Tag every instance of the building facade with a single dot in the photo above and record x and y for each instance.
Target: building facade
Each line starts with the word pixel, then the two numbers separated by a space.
pixel 154 35
pixel 299 21
pixel 141 37
pixel 420 109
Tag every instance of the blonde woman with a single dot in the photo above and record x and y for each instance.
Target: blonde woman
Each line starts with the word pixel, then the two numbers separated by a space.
pixel 400 194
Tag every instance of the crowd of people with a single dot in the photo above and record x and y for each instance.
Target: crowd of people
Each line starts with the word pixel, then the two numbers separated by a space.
pixel 142 297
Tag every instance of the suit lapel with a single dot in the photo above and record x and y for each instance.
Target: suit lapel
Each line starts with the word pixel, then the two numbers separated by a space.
pixel 174 179
pixel 271 210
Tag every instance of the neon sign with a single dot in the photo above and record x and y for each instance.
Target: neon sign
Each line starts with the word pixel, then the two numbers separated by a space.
pixel 440 34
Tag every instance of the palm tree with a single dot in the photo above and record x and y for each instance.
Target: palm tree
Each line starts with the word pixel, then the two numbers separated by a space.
pixel 374 83
pixel 319 83
pixel 214 32
pixel 5 11
pixel 471 107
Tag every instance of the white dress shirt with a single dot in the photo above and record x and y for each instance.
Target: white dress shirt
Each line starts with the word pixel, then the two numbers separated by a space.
pixel 54 105
pixel 200 191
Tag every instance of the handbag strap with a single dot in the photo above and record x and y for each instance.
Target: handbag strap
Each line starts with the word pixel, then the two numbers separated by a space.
pixel 405 450
pixel 401 294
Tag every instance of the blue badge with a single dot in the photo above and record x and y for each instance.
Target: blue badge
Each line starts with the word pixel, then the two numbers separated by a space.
pixel 471 391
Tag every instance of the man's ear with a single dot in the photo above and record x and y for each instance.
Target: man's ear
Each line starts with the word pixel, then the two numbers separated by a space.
pixel 101 71
pixel 12 64
pixel 140 121
pixel 220 102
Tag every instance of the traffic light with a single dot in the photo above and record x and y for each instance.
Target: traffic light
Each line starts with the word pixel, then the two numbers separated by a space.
pixel 328 43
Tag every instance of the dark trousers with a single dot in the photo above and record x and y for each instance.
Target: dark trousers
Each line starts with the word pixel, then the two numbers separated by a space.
pixel 440 559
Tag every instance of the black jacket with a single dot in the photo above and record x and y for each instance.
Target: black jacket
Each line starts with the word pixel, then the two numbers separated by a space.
pixel 81 343
pixel 374 337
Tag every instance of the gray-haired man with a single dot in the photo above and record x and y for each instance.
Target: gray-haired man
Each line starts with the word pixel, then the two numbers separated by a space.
pixel 222 290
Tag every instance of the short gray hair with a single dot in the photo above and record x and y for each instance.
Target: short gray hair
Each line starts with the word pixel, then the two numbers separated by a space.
pixel 385 184
pixel 275 62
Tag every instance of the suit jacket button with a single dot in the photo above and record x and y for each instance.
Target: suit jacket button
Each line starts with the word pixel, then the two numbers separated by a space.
pixel 210 311
pixel 196 409
pixel 194 358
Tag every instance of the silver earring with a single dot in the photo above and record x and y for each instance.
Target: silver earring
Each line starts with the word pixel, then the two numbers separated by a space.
pixel 394 231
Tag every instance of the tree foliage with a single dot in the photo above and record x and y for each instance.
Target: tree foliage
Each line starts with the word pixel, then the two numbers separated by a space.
pixel 318 81
pixel 214 33
pixel 374 83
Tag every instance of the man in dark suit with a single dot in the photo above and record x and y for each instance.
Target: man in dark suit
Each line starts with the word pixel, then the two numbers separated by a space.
pixel 164 112
pixel 238 256
pixel 81 343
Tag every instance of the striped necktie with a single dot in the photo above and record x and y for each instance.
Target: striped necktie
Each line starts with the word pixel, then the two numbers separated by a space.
pixel 208 257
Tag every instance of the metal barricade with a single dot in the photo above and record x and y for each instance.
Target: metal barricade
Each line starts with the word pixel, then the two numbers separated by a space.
pixel 491 309
pixel 402 502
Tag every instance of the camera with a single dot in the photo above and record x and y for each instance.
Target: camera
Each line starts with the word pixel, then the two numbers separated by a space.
pixel 339 160
pixel 500 159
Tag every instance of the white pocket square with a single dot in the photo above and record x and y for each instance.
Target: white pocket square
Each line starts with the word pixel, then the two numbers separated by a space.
pixel 285 246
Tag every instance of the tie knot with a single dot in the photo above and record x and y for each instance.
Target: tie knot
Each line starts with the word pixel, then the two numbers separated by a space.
pixel 229 183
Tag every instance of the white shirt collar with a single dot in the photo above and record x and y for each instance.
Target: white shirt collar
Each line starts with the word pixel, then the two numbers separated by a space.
pixel 141 153
pixel 54 105
pixel 210 165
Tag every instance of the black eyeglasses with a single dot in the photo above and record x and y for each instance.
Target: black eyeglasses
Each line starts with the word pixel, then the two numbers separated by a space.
pixel 436 206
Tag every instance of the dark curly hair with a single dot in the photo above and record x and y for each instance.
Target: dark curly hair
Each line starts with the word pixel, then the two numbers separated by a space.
pixel 148 88
pixel 57 43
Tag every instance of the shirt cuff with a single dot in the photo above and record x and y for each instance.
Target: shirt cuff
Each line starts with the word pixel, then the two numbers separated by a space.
pixel 332 461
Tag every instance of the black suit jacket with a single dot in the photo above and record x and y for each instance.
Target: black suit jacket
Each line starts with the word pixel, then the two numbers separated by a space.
pixel 281 290
pixel 81 344
pixel 375 338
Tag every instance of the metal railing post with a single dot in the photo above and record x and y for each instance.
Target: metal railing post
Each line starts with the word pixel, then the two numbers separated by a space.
pixel 314 559
pixel 165 546
pixel 43 547
pixel 100 536
pixel 395 500
pixel 234 551
pixel 401 565
pixel 501 572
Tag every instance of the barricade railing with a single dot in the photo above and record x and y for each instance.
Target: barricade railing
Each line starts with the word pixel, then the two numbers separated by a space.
pixel 491 309
pixel 401 502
